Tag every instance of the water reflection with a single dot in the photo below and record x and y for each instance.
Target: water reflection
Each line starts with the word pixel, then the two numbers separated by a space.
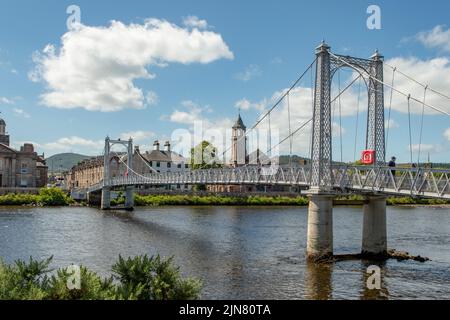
pixel 318 281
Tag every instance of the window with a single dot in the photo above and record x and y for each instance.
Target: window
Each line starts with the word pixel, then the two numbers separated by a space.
pixel 158 164
pixel 151 163
pixel 179 166
pixel 23 183
pixel 186 166
pixel 24 168
pixel 169 165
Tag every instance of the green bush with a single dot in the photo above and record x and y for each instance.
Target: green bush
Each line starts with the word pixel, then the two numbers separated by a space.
pixel 14 199
pixel 53 197
pixel 139 278
pixel 415 201
pixel 154 279
pixel 46 197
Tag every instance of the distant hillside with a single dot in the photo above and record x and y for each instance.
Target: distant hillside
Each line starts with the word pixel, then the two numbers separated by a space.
pixel 64 161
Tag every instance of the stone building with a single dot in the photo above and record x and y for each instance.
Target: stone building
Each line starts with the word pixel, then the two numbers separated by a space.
pixel 22 168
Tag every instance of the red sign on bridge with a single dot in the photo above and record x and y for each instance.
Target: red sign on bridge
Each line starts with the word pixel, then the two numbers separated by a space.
pixel 368 157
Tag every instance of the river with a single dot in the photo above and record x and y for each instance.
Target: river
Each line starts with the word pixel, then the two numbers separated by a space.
pixel 239 252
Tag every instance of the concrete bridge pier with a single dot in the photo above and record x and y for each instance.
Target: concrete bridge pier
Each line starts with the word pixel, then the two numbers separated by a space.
pixel 105 202
pixel 374 237
pixel 129 198
pixel 320 227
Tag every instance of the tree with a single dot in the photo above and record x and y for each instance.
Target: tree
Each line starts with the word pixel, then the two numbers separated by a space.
pixel 204 156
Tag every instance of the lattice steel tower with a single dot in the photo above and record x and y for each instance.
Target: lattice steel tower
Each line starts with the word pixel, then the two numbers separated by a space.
pixel 321 151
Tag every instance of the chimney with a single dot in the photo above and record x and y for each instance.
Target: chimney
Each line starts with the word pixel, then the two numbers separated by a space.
pixel 156 145
pixel 167 146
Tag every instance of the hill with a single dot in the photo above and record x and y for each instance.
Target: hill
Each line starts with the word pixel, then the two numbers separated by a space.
pixel 64 161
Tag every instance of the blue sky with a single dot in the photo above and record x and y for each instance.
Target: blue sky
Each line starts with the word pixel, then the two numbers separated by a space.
pixel 263 47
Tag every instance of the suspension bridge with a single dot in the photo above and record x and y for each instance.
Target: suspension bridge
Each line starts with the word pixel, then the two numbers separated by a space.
pixel 323 178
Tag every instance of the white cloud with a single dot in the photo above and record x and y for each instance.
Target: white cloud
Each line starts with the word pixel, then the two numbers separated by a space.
pixel 276 60
pixel 82 145
pixel 438 37
pixel 195 22
pixel 391 124
pixel 137 136
pixel 426 148
pixel 249 73
pixel 199 128
pixel 70 143
pixel 21 113
pixel 246 105
pixel 189 116
pixel 434 72
pixel 447 134
pixel 95 67
pixel 152 98
pixel 4 100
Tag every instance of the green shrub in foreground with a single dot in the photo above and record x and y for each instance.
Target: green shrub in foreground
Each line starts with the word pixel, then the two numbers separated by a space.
pixel 139 278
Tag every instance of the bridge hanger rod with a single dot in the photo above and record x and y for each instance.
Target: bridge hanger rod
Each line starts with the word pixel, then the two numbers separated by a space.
pixel 145 162
pixel 391 87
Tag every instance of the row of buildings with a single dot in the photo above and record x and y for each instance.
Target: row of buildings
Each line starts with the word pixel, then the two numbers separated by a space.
pixel 90 171
pixel 163 159
pixel 20 169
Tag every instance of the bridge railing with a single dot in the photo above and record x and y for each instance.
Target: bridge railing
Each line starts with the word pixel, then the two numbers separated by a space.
pixel 421 182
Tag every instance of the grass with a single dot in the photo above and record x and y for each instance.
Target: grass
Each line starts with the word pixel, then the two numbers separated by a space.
pixel 138 278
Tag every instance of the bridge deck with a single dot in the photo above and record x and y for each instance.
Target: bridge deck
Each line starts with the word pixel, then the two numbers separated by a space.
pixel 422 183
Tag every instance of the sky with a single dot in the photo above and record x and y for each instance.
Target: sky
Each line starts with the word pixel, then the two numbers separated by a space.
pixel 159 69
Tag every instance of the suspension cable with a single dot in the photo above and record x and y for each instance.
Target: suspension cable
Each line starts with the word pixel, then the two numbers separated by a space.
pixel 340 116
pixel 293 133
pixel 409 125
pixel 312 108
pixel 145 162
pixel 357 120
pixel 389 114
pixel 290 132
pixel 275 104
pixel 270 135
pixel 389 86
pixel 421 125
pixel 419 83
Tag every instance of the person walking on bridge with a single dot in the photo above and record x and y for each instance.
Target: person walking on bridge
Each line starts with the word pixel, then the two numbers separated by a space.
pixel 392 165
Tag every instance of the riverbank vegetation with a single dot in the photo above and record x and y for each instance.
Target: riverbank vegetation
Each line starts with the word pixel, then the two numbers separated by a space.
pixel 56 197
pixel 196 200
pixel 46 197
pixel 139 278
pixel 393 201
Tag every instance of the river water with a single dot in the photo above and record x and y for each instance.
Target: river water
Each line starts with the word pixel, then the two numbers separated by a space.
pixel 239 252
